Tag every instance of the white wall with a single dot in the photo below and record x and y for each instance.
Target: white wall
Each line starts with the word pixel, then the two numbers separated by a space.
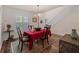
pixel 9 17
pixel 63 19
pixel 0 25
pixel 49 15
pixel 68 23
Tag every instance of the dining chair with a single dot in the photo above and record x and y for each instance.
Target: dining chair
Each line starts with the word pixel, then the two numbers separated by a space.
pixel 22 39
pixel 45 37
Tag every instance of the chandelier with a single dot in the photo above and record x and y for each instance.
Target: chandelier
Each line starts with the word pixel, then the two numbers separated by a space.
pixel 38 15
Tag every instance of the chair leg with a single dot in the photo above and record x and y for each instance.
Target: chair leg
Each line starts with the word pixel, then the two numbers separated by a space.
pixel 21 46
pixel 43 43
pixel 47 41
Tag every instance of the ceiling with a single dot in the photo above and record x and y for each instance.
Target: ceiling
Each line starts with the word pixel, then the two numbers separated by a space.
pixel 34 8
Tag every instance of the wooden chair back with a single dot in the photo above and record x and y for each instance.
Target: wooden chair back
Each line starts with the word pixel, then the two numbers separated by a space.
pixel 20 34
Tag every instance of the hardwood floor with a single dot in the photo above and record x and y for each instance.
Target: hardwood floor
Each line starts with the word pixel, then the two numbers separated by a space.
pixel 53 47
pixel 5 47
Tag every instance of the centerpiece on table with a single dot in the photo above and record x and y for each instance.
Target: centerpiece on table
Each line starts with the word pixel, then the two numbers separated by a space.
pixel 37 28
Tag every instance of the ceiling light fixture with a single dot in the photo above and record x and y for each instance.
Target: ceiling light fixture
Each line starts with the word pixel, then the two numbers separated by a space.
pixel 38 15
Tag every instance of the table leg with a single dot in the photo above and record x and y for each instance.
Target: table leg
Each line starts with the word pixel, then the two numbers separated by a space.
pixel 30 44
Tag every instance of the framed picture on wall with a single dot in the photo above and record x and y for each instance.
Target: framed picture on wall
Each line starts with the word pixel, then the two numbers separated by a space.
pixel 34 19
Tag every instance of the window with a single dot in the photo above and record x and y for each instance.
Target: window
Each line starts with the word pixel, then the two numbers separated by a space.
pixel 22 22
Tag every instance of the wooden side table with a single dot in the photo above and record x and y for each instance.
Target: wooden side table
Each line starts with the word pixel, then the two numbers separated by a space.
pixel 68 45
pixel 9 33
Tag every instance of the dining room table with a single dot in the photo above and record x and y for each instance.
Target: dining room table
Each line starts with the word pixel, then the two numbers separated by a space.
pixel 34 35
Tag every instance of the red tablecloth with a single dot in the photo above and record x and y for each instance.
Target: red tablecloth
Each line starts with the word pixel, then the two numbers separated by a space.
pixel 34 35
